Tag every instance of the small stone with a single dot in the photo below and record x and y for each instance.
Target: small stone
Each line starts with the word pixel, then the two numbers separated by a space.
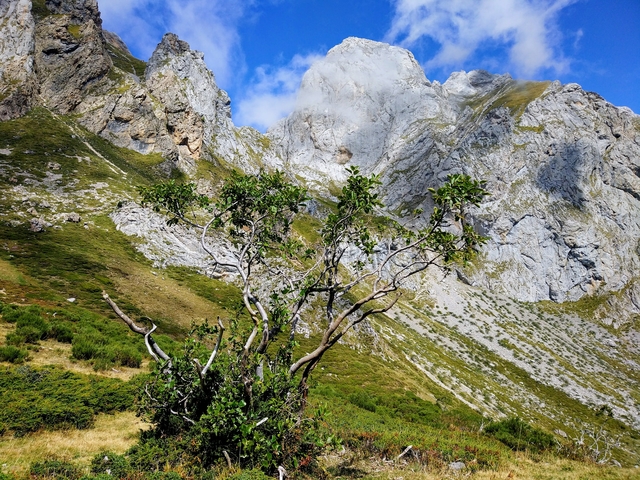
pixel 71 300
pixel 457 466
pixel 53 166
pixel 74 218
pixel 37 225
pixel 32 211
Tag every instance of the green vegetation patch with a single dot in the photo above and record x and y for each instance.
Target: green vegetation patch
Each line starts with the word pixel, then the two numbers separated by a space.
pixel 74 30
pixel 43 144
pixel 126 62
pixel 102 341
pixel 52 398
pixel 585 307
pixel 516 97
pixel 39 9
pixel 519 435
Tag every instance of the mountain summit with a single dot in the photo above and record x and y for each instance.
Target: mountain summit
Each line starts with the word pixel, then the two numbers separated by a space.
pixel 562 164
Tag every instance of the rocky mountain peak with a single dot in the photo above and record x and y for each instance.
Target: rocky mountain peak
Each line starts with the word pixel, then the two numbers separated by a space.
pixel 170 46
pixel 562 163
pixel 476 82
pixel 80 11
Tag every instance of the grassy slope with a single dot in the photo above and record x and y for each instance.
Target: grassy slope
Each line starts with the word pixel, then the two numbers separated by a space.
pixel 377 405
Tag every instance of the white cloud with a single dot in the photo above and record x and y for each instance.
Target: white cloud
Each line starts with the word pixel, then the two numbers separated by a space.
pixel 272 94
pixel 463 28
pixel 207 25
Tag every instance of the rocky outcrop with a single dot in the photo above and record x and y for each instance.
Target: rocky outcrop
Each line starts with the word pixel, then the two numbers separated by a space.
pixel 66 62
pixel 17 79
pixel 561 163
pixel 114 40
pixel 78 11
pixel 70 58
pixel 180 80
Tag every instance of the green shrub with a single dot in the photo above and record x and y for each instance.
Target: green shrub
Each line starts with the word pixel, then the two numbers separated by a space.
pixel 62 333
pixel 84 347
pixel 55 469
pixel 11 313
pixel 34 320
pixel 519 435
pixel 165 476
pixel 53 398
pixel 250 475
pixel 12 354
pixel 363 400
pixel 125 356
pixel 26 334
pixel 110 463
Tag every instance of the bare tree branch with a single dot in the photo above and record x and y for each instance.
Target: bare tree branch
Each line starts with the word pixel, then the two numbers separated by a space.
pixel 152 346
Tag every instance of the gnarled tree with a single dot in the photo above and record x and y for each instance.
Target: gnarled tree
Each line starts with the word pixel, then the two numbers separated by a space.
pixel 248 397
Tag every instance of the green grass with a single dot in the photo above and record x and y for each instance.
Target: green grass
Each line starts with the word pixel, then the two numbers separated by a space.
pixel 516 97
pixel 74 30
pixel 39 9
pixel 40 140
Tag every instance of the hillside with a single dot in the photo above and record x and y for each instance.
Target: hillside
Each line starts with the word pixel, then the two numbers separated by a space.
pixel 543 325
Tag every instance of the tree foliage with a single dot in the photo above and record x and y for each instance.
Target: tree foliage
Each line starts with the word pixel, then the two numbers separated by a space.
pixel 247 400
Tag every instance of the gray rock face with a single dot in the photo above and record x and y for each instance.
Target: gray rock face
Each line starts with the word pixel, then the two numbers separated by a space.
pixel 17 80
pixel 193 103
pixel 561 163
pixel 70 60
pixel 79 11
pixel 113 39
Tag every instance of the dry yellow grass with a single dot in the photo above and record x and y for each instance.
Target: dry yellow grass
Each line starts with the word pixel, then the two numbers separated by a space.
pixel 522 468
pixel 51 352
pixel 111 432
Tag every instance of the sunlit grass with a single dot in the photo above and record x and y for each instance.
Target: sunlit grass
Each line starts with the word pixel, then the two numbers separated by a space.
pixel 116 433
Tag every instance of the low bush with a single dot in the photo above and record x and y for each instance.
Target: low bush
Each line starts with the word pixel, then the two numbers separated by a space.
pixel 519 435
pixel 103 342
pixel 52 398
pixel 13 354
pixel 57 469
pixel 109 463
pixel 62 333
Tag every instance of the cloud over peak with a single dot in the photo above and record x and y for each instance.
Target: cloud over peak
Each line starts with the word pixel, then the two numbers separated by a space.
pixel 466 29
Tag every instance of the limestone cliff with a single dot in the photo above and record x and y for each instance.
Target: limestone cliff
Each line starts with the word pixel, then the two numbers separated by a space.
pixel 563 165
pixel 17 79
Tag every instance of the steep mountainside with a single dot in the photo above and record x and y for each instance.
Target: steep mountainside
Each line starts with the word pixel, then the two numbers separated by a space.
pixel 543 325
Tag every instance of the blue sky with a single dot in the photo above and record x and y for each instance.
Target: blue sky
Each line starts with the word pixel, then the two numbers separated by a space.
pixel 259 49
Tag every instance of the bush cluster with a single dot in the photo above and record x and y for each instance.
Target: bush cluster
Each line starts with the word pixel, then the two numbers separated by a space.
pixel 13 354
pixel 102 342
pixel 53 398
pixel 519 435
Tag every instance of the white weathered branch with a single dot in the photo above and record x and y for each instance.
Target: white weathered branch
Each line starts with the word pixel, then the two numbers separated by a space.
pixel 152 346
pixel 215 350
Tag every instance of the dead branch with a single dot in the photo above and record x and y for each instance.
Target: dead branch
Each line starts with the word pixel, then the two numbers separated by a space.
pixel 154 349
